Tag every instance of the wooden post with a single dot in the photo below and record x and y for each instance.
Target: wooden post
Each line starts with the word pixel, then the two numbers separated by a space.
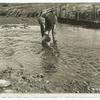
pixel 65 9
pixel 94 11
pixel 77 13
pixel 56 8
pixel 60 11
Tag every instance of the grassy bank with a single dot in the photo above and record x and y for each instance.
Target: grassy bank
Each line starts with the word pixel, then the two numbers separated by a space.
pixel 18 20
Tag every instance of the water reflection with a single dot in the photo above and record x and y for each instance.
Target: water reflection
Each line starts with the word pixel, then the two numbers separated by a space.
pixel 50 60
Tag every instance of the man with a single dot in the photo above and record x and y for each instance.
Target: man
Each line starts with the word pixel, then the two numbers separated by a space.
pixel 45 37
pixel 47 21
pixel 50 23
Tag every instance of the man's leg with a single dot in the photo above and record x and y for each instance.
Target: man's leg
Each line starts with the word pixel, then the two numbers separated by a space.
pixel 54 28
pixel 42 30
pixel 53 35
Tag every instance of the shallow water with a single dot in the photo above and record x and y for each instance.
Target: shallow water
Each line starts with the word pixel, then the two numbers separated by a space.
pixel 74 61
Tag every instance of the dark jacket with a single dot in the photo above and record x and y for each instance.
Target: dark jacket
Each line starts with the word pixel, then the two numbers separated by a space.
pixel 50 21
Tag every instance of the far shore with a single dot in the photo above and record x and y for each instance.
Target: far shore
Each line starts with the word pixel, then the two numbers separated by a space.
pixel 18 20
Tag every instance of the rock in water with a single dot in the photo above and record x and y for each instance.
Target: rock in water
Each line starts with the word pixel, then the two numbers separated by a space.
pixel 4 83
pixel 8 51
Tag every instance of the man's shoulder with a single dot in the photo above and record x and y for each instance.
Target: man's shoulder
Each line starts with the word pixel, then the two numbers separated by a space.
pixel 41 18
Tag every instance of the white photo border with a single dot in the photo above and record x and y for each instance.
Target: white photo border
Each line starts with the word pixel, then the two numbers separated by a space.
pixel 49 1
pixel 68 95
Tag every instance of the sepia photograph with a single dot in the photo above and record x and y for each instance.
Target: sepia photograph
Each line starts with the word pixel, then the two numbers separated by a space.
pixel 49 48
